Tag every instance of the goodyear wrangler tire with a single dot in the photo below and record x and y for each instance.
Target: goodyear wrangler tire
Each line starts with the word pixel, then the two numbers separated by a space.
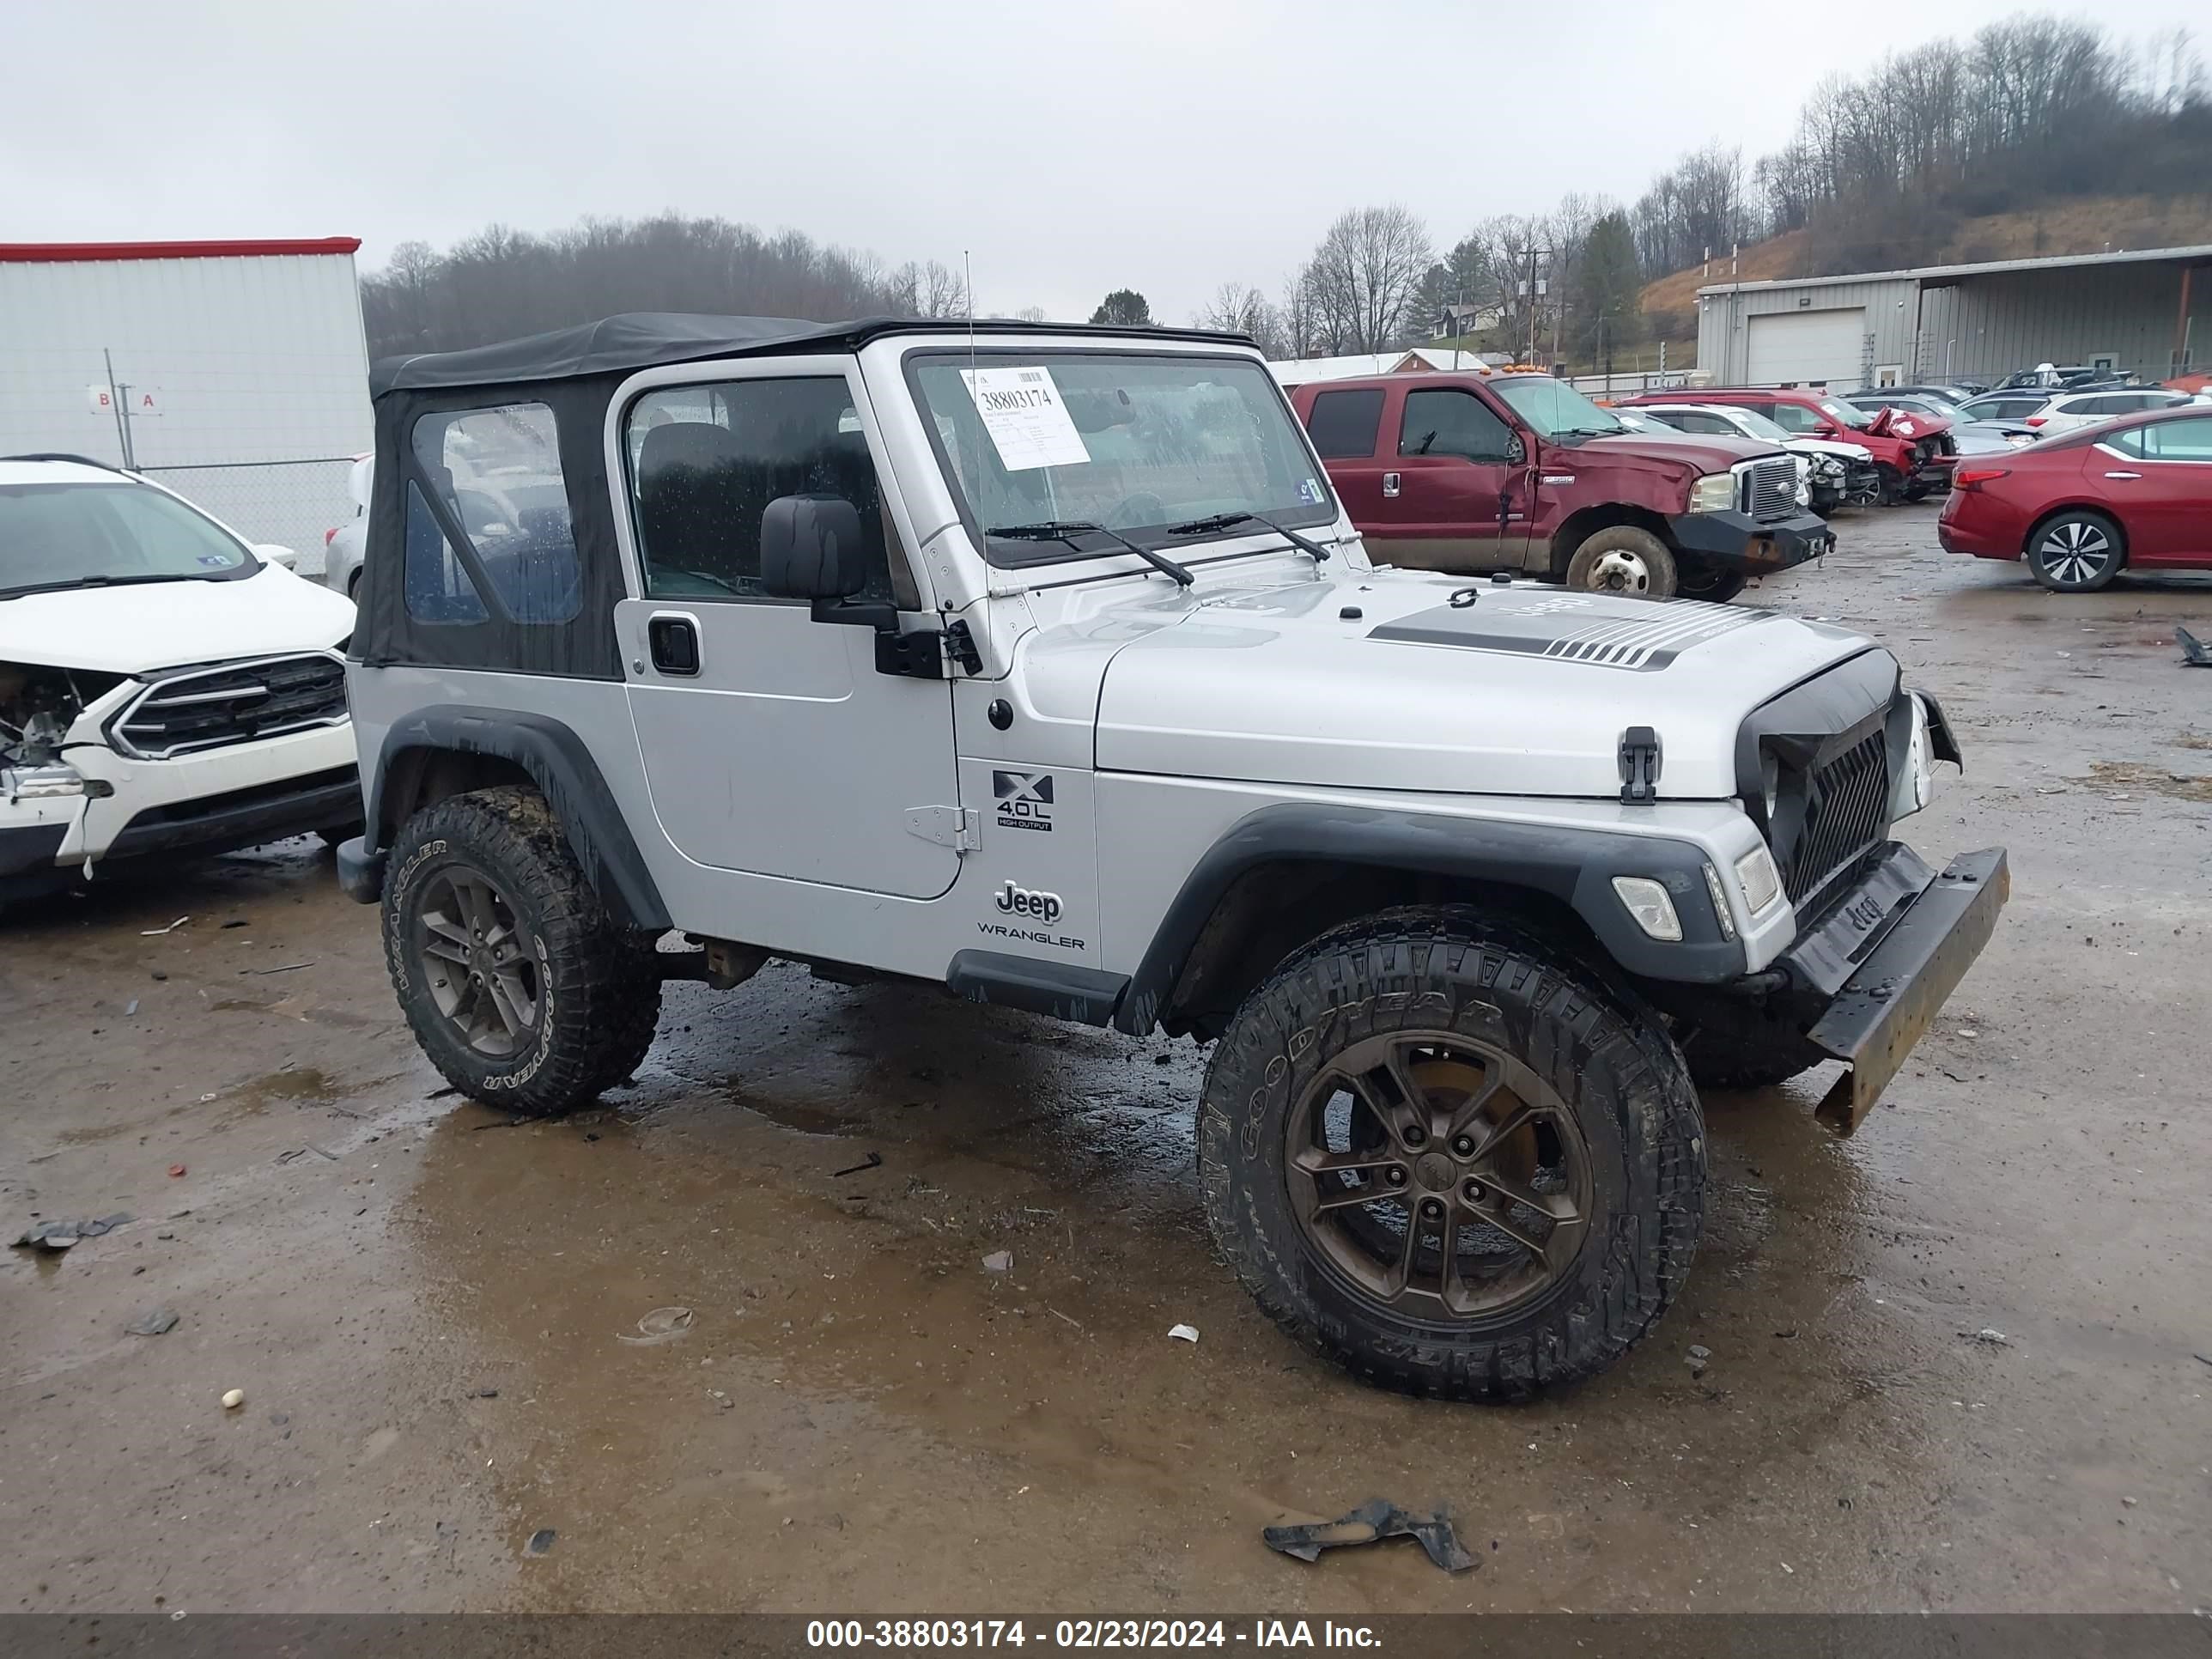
pixel 519 987
pixel 1450 1157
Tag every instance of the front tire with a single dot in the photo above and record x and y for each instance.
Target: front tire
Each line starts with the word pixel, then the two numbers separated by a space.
pixel 2077 551
pixel 519 985
pixel 1450 1157
pixel 1622 559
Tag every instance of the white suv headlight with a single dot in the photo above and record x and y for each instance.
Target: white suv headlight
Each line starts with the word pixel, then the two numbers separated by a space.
pixel 1713 493
pixel 1914 787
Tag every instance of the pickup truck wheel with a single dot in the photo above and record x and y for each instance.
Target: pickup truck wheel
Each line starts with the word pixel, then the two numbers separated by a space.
pixel 519 985
pixel 1623 559
pixel 1714 584
pixel 1451 1158
pixel 1891 483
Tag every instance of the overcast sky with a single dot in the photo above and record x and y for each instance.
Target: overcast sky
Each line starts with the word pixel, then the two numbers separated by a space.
pixel 1071 146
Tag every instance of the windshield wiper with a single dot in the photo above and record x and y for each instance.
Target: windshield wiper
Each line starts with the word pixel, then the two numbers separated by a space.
pixel 96 582
pixel 1224 520
pixel 1067 529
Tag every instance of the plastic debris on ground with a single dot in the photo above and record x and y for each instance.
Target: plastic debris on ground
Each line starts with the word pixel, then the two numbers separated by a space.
pixel 155 1322
pixel 2194 653
pixel 1370 1523
pixel 60 1235
pixel 1184 1333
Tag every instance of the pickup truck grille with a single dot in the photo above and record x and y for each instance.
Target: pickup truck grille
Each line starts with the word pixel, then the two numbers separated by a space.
pixel 1771 489
pixel 233 702
pixel 1846 811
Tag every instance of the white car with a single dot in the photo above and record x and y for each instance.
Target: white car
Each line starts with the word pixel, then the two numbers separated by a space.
pixel 164 687
pixel 342 546
pixel 2076 409
pixel 1836 473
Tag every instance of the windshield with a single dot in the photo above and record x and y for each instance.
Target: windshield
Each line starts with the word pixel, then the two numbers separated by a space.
pixel 1845 414
pixel 68 535
pixel 1754 424
pixel 1137 442
pixel 1555 408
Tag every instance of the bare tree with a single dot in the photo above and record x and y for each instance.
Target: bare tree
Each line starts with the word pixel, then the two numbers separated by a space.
pixel 1239 309
pixel 927 290
pixel 1365 276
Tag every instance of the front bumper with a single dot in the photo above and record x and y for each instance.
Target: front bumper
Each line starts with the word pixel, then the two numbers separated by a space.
pixel 1752 545
pixel 1883 960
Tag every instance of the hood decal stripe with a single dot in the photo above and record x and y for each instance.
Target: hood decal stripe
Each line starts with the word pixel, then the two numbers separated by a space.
pixel 1551 627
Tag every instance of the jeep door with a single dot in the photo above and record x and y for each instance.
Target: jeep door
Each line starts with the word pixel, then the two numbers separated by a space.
pixel 770 742
pixel 1455 496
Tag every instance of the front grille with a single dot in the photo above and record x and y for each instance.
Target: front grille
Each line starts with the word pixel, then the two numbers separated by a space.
pixel 1771 489
pixel 1846 810
pixel 234 703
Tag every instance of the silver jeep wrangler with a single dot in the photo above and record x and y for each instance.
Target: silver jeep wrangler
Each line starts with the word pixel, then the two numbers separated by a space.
pixel 1042 663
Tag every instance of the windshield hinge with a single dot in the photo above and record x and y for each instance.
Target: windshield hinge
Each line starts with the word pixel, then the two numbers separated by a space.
pixel 957 827
pixel 1639 765
pixel 960 646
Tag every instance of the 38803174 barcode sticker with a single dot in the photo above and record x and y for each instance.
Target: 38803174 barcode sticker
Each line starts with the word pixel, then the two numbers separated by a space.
pixel 1028 423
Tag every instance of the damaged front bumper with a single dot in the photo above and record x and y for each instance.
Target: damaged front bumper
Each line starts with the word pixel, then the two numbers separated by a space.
pixel 1754 546
pixel 1884 959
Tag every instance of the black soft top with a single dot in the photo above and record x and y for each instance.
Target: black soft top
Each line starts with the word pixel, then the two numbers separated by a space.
pixel 643 339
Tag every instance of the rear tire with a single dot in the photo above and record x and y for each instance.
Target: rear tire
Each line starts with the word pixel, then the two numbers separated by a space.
pixel 1622 559
pixel 521 989
pixel 2077 551
pixel 1544 1100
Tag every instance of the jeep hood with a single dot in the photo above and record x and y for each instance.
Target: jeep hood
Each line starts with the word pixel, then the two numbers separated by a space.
pixel 1525 691
pixel 131 629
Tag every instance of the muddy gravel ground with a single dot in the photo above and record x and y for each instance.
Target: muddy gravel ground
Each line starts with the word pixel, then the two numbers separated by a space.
pixel 436 1314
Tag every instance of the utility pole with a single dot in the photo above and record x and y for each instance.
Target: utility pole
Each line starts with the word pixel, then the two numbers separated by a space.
pixel 122 411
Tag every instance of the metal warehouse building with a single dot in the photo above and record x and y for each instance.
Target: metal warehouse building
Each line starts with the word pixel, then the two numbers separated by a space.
pixel 234 372
pixel 2140 313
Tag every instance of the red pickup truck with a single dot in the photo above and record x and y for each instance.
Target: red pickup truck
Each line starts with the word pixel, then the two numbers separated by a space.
pixel 1521 473
pixel 1913 454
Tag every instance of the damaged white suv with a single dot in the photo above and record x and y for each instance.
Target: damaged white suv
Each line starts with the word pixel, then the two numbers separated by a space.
pixel 1043 664
pixel 164 687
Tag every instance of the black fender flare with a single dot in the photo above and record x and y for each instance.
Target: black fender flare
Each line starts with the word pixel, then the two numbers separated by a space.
pixel 1573 864
pixel 560 765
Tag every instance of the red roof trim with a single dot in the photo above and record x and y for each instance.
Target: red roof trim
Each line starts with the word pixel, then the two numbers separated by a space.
pixel 68 252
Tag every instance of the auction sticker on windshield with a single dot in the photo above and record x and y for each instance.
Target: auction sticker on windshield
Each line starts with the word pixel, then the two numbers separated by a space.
pixel 1028 424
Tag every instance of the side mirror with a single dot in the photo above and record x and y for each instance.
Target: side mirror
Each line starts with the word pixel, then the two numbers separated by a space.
pixel 1516 450
pixel 810 548
pixel 276 555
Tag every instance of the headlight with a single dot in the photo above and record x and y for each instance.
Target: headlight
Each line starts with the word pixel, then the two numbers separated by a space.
pixel 1760 880
pixel 1915 784
pixel 1713 493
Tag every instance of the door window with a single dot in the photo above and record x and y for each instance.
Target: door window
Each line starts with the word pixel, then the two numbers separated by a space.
pixel 1796 417
pixel 1448 422
pixel 1697 420
pixel 705 461
pixel 2189 440
pixel 1343 424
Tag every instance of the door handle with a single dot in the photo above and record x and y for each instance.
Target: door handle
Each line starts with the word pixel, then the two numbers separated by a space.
pixel 673 640
pixel 2123 474
pixel 1390 481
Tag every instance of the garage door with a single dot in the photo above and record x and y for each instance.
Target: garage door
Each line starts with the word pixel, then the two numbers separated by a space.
pixel 1808 345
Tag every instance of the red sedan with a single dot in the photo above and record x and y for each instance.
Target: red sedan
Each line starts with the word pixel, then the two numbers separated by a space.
pixel 2135 491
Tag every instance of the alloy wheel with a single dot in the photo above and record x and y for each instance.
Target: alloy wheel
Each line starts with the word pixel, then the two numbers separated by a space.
pixel 2076 551
pixel 1438 1176
pixel 472 956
